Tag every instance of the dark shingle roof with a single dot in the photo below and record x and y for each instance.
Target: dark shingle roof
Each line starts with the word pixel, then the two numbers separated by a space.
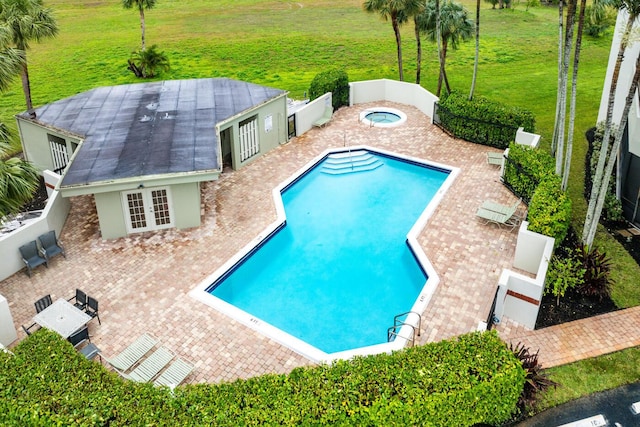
pixel 149 128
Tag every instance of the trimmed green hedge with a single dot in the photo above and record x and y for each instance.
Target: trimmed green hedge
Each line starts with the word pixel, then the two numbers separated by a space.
pixel 470 379
pixel 525 168
pixel 334 81
pixel 530 173
pixel 482 120
pixel 550 210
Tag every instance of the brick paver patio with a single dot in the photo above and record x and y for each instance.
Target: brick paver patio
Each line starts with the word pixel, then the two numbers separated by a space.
pixel 142 281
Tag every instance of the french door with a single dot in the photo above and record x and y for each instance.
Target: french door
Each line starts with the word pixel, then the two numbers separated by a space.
pixel 147 209
pixel 59 153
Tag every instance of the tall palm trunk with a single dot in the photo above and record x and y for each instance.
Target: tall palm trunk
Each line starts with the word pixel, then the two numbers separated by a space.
pixel 396 29
pixel 477 54
pixel 418 49
pixel 591 220
pixel 614 153
pixel 562 113
pixel 142 27
pixel 26 88
pixel 574 90
pixel 554 140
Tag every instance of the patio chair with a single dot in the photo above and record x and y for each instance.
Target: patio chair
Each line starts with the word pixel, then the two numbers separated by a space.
pixel 495 159
pixel 131 355
pixel 31 328
pixel 174 374
pixel 90 350
pixel 508 220
pixel 150 367
pixel 50 245
pixel 43 303
pixel 80 300
pixel 32 257
pixel 92 308
pixel 503 209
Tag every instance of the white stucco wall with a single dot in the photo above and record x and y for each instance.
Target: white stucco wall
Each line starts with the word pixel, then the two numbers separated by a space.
pixel 394 91
pixel 307 115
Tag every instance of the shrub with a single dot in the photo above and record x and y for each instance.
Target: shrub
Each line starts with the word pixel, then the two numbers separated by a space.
pixel 48 383
pixel 536 382
pixel 597 268
pixel 564 273
pixel 550 209
pixel 525 168
pixel 334 81
pixel 147 63
pixel 481 120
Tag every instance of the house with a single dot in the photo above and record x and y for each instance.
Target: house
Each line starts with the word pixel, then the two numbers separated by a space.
pixel 628 165
pixel 143 149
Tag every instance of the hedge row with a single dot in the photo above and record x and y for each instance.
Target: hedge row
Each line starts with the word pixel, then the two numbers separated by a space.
pixel 471 379
pixel 481 120
pixel 530 173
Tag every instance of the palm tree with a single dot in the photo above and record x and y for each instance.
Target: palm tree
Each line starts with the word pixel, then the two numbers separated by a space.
pixel 145 63
pixel 414 8
pixel 613 156
pixel 561 106
pixel 591 220
pixel 455 27
pixel 27 20
pixel 574 91
pixel 141 5
pixel 394 10
pixel 18 178
pixel 477 52
pixel 10 60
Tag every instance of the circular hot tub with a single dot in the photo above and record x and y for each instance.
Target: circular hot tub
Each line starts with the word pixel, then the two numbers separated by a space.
pixel 382 117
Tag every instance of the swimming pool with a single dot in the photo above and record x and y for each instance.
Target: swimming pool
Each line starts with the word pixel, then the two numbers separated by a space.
pixel 332 290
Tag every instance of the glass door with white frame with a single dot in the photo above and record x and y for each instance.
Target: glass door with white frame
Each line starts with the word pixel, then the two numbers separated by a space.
pixel 147 209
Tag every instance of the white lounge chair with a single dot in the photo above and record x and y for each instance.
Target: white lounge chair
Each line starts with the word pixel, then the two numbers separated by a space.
pixel 508 219
pixel 174 374
pixel 132 354
pixel 150 367
pixel 495 159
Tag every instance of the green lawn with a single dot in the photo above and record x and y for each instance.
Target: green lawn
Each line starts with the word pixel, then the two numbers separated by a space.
pixel 283 44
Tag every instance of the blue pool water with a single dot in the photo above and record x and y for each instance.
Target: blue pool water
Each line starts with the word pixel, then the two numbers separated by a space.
pixel 382 117
pixel 340 270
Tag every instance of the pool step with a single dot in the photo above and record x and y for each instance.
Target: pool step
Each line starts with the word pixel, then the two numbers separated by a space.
pixel 355 161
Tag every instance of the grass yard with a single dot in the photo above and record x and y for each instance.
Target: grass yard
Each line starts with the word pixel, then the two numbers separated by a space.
pixel 284 44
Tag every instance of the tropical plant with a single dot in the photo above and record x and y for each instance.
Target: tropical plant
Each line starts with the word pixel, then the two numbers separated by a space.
pixel 141 5
pixel 599 16
pixel 414 9
pixel 597 280
pixel 564 273
pixel 536 381
pixel 27 20
pixel 397 11
pixel 18 179
pixel 146 63
pixel 455 27
pixel 601 179
pixel 11 60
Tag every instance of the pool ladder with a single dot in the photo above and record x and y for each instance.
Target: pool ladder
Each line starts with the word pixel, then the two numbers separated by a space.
pixel 399 321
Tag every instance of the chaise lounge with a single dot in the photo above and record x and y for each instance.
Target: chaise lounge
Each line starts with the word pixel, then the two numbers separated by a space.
pixel 501 215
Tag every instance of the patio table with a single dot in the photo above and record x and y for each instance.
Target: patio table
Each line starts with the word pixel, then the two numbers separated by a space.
pixel 62 317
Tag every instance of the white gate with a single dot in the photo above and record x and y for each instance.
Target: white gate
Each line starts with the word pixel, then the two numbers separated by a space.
pixel 147 209
pixel 248 136
pixel 59 153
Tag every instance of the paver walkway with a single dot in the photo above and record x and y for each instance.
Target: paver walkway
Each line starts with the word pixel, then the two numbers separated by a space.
pixel 142 281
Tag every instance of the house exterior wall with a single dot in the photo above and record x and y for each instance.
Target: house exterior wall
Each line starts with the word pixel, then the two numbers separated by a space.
pixel 35 143
pixel 185 199
pixel 269 139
